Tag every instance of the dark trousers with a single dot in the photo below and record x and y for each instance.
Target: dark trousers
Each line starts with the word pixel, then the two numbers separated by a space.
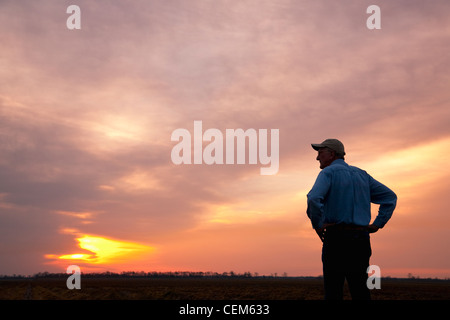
pixel 345 255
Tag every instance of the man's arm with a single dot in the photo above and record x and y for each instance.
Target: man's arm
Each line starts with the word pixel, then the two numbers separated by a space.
pixel 315 200
pixel 386 198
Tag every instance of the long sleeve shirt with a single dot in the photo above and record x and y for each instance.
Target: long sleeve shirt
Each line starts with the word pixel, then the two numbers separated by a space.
pixel 343 194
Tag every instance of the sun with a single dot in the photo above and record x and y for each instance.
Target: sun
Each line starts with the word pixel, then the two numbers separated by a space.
pixel 104 250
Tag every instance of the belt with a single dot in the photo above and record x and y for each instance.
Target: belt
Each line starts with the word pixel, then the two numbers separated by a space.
pixel 346 227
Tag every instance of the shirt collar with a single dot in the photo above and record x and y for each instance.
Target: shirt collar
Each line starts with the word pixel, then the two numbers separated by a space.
pixel 339 162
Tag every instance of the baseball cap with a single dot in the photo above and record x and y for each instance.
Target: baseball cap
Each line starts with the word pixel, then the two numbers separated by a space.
pixel 333 144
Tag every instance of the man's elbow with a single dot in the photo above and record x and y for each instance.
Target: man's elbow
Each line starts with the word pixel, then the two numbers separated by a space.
pixel 394 196
pixel 394 199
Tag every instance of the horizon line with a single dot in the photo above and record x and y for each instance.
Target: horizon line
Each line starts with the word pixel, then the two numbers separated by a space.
pixel 191 274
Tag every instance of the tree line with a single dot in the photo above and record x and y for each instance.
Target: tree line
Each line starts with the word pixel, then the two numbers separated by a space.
pixel 152 274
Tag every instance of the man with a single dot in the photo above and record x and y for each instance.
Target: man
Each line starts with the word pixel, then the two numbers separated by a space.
pixel 339 209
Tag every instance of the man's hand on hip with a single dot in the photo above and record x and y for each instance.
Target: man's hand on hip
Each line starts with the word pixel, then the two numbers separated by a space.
pixel 321 231
pixel 372 228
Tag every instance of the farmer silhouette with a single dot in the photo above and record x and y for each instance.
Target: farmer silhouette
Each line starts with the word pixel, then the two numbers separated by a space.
pixel 339 209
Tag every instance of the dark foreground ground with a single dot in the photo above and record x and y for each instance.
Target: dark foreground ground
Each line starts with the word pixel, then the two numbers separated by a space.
pixel 209 289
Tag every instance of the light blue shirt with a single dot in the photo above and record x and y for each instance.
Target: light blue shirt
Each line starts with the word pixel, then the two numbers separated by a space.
pixel 343 193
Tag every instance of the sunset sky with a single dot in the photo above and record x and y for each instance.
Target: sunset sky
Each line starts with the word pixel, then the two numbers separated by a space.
pixel 86 118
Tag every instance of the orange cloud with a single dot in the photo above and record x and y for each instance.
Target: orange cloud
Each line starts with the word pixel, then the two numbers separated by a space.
pixel 409 169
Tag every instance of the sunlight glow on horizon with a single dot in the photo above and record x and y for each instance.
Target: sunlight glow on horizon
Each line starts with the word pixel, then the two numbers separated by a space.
pixel 76 256
pixel 104 250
